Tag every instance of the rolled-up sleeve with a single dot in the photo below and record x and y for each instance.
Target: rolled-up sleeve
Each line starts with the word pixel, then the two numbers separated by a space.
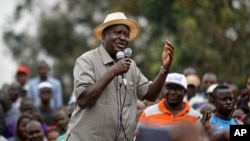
pixel 83 75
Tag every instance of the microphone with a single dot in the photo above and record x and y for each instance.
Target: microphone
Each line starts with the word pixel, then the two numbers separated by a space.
pixel 127 54
pixel 120 55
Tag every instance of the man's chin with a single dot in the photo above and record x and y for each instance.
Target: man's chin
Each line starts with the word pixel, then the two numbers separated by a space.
pixel 228 110
pixel 173 103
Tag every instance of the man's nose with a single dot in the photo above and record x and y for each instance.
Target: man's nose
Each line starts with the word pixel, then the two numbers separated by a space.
pixel 122 36
pixel 229 101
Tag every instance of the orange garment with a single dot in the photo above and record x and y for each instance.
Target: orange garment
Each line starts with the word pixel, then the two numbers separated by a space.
pixel 158 115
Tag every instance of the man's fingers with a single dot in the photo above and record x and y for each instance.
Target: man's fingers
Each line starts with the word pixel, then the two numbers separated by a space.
pixel 169 47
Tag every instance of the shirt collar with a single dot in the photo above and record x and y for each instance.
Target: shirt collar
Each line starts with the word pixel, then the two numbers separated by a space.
pixel 106 58
pixel 163 108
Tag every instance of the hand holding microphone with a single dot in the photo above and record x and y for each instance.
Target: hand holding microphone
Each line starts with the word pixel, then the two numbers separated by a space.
pixel 123 58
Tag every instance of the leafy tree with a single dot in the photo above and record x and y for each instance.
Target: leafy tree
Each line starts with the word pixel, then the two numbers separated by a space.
pixel 208 35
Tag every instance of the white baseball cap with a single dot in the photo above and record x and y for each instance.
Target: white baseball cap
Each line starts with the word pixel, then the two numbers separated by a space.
pixel 44 84
pixel 211 88
pixel 176 78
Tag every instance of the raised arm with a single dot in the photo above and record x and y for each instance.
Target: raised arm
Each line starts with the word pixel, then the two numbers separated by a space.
pixel 158 83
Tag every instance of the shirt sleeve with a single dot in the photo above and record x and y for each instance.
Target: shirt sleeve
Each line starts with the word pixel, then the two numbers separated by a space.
pixel 83 75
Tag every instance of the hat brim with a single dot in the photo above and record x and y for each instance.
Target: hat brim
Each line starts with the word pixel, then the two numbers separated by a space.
pixel 167 83
pixel 134 28
pixel 22 72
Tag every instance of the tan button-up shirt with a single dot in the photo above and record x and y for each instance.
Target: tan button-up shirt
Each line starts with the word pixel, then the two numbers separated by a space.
pixel 100 122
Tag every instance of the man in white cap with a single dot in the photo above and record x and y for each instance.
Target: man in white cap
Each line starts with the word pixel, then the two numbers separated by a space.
pixel 171 110
pixel 45 89
pixel 105 108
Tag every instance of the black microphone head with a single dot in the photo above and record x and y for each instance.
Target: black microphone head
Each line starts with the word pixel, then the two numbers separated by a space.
pixel 128 52
pixel 119 55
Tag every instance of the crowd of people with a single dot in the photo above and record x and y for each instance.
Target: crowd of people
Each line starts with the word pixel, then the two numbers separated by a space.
pixel 114 101
pixel 32 109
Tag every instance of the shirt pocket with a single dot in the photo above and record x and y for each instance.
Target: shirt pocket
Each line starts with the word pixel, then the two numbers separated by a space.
pixel 128 94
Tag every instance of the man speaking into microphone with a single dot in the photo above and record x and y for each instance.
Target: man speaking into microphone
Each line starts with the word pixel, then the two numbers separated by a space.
pixel 105 108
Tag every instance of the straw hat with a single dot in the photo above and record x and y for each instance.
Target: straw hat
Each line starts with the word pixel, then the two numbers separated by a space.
pixel 117 18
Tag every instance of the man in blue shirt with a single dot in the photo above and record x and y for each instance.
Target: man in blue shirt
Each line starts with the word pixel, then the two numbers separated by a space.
pixel 224 103
pixel 57 99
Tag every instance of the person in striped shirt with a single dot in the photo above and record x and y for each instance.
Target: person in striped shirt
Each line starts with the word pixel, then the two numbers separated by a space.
pixel 171 110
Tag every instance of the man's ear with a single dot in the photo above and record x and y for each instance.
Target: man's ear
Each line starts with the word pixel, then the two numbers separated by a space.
pixel 212 100
pixel 212 97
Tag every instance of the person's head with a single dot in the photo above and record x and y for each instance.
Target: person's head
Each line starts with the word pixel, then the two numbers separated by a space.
pixel 244 94
pixel 248 85
pixel 53 134
pixel 208 79
pixel 189 70
pixel 243 100
pixel 14 91
pixel 116 31
pixel 5 87
pixel 193 82
pixel 238 114
pixel 246 119
pixel 27 106
pixel 61 119
pixel 3 128
pixel 45 92
pixel 22 74
pixel 38 117
pixel 176 87
pixel 35 131
pixel 234 89
pixel 223 100
pixel 5 101
pixel 209 92
pixel 43 69
pixel 22 121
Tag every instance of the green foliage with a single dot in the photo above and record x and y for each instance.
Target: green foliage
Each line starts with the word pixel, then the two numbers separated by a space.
pixel 208 35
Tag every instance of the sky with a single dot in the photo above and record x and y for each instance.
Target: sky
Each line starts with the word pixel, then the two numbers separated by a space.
pixel 7 64
pixel 28 24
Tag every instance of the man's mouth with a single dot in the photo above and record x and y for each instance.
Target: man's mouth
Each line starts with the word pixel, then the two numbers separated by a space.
pixel 120 45
pixel 229 107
